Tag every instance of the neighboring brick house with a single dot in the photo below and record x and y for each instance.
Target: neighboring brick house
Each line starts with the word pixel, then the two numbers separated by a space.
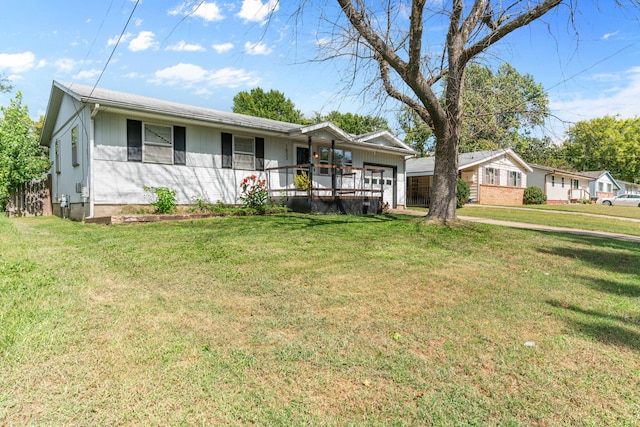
pixel 495 177
pixel 601 184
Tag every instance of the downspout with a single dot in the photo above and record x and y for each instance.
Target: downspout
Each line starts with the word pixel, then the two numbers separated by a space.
pixel 90 166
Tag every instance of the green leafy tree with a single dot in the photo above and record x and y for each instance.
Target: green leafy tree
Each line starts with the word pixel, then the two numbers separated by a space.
pixel 354 123
pixel 541 151
pixel 22 159
pixel 269 105
pixel 606 143
pixel 5 85
pixel 500 111
pixel 417 134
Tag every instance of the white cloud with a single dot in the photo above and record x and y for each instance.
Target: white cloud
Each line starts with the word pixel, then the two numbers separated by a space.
pixel 183 46
pixel 606 36
pixel 17 62
pixel 209 11
pixel 258 48
pixel 87 75
pixel 622 99
pixel 194 76
pixel 116 39
pixel 144 41
pixel 138 22
pixel 223 47
pixel 256 11
pixel 64 65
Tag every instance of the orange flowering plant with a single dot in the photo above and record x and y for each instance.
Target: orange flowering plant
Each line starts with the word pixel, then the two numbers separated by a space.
pixel 254 193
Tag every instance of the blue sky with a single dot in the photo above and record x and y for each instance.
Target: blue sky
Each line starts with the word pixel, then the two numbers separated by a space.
pixel 203 53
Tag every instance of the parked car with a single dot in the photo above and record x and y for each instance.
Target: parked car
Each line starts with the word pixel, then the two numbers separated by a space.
pixel 623 200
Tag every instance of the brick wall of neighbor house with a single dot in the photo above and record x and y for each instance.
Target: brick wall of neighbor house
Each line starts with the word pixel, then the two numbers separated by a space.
pixel 499 195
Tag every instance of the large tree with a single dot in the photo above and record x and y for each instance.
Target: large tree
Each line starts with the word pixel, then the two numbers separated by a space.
pixel 412 71
pixel 22 159
pixel 269 105
pixel 606 143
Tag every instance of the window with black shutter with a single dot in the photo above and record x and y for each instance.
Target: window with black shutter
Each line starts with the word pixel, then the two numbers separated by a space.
pixel 179 146
pixel 134 140
pixel 227 150
pixel 259 154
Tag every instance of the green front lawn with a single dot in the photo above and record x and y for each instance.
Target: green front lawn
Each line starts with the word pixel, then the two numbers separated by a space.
pixel 315 320
pixel 557 218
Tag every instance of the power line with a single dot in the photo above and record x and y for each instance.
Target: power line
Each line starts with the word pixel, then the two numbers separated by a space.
pixel 114 47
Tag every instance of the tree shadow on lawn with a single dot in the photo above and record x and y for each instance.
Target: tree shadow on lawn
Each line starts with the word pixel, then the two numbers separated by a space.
pixel 604 327
pixel 324 220
pixel 603 253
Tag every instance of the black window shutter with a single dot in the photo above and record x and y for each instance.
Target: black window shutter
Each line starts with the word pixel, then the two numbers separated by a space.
pixel 179 145
pixel 134 140
pixel 260 154
pixel 227 151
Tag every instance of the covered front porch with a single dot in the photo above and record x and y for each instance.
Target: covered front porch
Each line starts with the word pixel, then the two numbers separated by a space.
pixel 326 189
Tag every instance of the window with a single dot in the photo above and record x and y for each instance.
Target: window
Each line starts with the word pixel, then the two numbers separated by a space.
pixel 57 154
pixel 491 176
pixel 601 186
pixel 514 178
pixel 243 153
pixel 323 159
pixel 157 144
pixel 74 146
pixel 575 184
pixel 553 180
pixel 562 182
pixel 342 158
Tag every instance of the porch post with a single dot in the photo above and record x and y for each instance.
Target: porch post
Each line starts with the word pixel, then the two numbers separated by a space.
pixel 310 193
pixel 381 187
pixel 333 169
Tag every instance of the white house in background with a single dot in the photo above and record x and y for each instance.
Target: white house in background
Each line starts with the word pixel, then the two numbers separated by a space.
pixel 495 177
pixel 560 186
pixel 628 187
pixel 105 146
pixel 601 184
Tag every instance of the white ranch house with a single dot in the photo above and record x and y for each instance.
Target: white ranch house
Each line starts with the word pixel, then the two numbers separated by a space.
pixel 105 146
pixel 628 187
pixel 560 186
pixel 496 177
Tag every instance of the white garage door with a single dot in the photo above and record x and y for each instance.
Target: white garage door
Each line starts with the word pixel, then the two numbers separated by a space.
pixel 386 183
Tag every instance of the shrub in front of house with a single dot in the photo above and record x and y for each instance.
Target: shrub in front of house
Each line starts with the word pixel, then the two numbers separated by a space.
pixel 534 196
pixel 462 193
pixel 164 199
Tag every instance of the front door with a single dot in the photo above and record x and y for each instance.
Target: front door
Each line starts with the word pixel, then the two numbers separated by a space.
pixel 302 155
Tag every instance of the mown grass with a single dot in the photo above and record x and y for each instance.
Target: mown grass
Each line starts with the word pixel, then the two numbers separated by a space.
pixel 595 221
pixel 595 209
pixel 315 320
